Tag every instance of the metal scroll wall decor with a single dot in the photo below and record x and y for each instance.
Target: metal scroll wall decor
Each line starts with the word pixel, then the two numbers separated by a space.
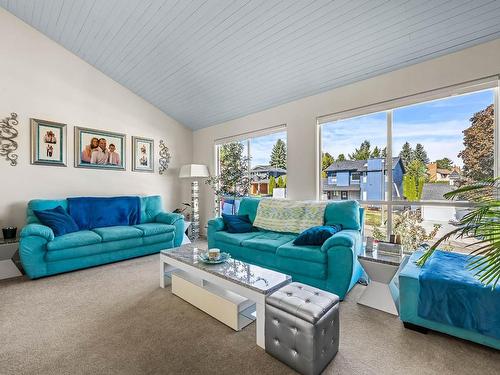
pixel 7 134
pixel 164 159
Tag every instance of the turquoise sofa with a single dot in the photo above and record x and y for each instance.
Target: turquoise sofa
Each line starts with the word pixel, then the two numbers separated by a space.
pixel 42 254
pixel 409 290
pixel 333 267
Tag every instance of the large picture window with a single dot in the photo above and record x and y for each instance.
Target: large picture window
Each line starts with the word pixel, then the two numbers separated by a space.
pixel 254 165
pixel 400 162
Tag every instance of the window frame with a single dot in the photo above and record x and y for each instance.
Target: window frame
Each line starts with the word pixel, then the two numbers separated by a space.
pixel 389 106
pixel 246 137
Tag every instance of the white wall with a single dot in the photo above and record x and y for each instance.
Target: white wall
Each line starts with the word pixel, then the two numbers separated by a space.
pixel 301 115
pixel 41 79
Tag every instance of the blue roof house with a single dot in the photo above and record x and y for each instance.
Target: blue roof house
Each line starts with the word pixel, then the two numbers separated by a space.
pixel 363 180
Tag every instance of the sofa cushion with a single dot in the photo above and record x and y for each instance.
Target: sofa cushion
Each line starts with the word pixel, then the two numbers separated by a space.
pixel 305 253
pixel 316 236
pixel 237 223
pixel 152 229
pixel 345 213
pixel 268 241
pixel 117 233
pixel 75 239
pixel 58 220
pixel 234 238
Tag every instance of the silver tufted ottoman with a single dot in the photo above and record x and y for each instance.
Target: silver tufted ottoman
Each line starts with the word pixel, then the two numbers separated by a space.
pixel 302 327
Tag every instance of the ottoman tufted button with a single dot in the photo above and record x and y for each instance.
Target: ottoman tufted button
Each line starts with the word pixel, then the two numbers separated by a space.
pixel 276 341
pixel 323 332
pixel 276 321
pixel 307 300
pixel 294 352
pixel 289 294
pixel 316 293
pixel 294 330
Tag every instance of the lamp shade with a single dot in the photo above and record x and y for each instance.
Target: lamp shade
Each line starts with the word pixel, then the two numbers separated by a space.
pixel 193 171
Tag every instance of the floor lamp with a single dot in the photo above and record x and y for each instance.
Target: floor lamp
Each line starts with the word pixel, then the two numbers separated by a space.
pixel 194 172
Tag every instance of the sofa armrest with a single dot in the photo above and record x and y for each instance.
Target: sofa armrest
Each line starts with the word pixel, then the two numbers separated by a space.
pixel 216 224
pixel 168 218
pixel 37 230
pixel 346 238
pixel 33 248
pixel 177 220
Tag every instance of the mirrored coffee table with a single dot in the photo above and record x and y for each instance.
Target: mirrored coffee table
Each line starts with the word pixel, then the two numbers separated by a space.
pixel 233 292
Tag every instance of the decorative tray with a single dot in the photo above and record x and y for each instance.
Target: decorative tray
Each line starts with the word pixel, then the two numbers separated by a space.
pixel 223 258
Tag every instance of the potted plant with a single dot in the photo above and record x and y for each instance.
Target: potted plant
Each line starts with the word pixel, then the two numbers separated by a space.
pixel 481 224
pixel 233 181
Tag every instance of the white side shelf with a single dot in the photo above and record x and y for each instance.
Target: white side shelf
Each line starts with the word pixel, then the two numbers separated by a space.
pixel 228 307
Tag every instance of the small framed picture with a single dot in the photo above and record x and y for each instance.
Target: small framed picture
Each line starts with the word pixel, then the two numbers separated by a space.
pixel 142 154
pixel 99 149
pixel 48 143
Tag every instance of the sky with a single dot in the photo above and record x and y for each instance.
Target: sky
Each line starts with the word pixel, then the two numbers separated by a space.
pixel 437 125
pixel 261 147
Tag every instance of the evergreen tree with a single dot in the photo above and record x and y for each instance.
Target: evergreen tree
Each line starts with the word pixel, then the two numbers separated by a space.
pixel 272 185
pixel 406 154
pixel 233 178
pixel 376 153
pixel 413 180
pixel 383 153
pixel 444 163
pixel 341 157
pixel 280 182
pixel 326 160
pixel 420 154
pixel 361 153
pixel 278 155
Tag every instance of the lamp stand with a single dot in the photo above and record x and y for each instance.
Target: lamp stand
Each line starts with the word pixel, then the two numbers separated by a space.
pixel 195 215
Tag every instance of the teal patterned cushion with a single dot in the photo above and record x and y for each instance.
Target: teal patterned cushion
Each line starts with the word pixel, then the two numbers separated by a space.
pixel 281 215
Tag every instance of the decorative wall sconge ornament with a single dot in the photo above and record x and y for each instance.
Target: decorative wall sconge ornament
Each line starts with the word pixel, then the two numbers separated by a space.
pixel 7 134
pixel 164 159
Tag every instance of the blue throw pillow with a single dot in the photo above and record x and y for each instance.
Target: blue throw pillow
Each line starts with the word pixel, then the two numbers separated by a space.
pixel 316 236
pixel 237 223
pixel 58 220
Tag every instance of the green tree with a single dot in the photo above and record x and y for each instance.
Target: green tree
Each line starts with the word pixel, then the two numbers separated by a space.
pixel 278 155
pixel 272 185
pixel 413 180
pixel 280 182
pixel 326 160
pixel 444 163
pixel 478 154
pixel 341 157
pixel 420 154
pixel 406 154
pixel 233 178
pixel 376 153
pixel 361 153
pixel 383 153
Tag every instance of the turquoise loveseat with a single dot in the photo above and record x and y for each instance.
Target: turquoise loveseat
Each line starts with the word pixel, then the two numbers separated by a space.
pixel 42 254
pixel 333 267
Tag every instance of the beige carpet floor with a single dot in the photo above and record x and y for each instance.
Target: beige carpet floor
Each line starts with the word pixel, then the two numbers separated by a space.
pixel 115 319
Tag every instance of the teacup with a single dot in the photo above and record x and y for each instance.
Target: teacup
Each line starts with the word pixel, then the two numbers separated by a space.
pixel 214 254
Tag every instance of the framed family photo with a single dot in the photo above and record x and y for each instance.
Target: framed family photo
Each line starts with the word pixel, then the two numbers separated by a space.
pixel 48 142
pixel 142 154
pixel 99 149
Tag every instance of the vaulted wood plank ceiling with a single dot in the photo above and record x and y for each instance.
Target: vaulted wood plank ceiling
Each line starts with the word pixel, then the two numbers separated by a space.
pixel 208 61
